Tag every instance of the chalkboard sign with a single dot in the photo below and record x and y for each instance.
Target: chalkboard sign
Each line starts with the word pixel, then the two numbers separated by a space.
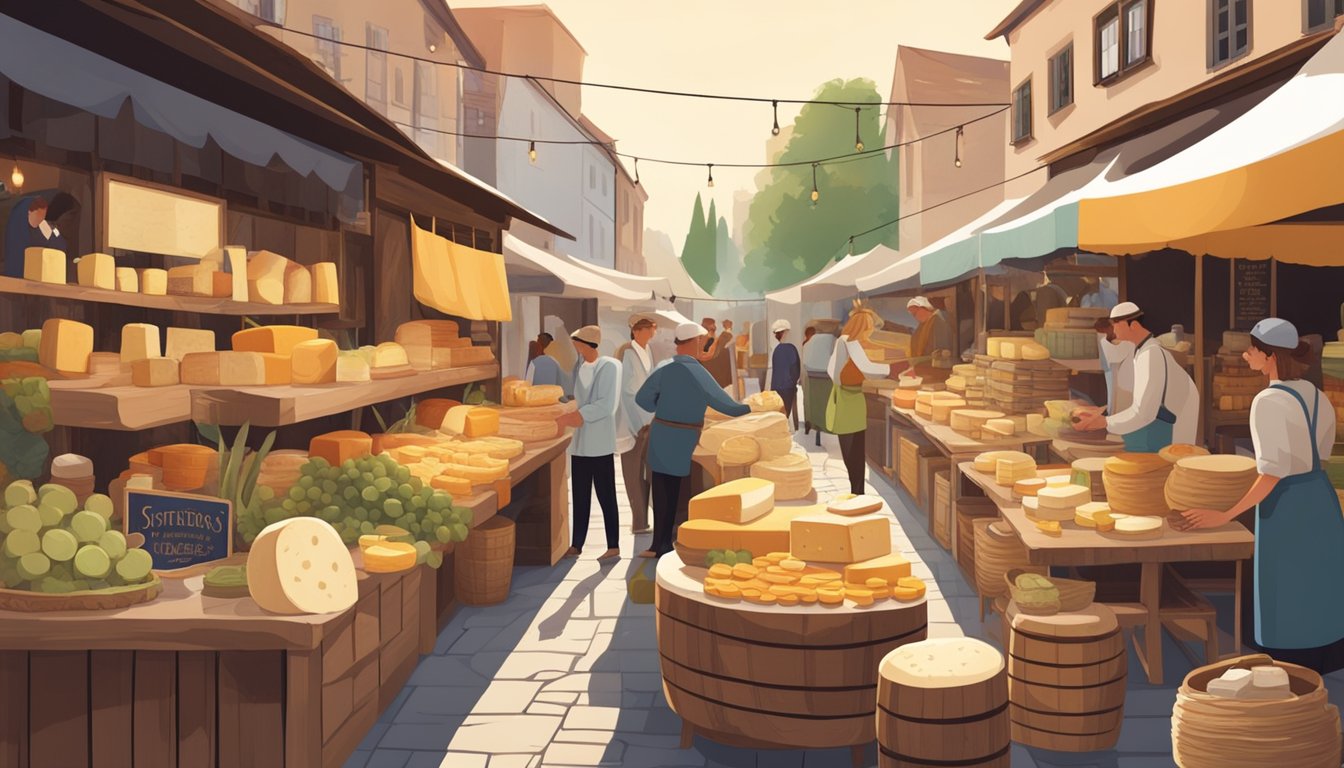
pixel 181 530
pixel 1251 290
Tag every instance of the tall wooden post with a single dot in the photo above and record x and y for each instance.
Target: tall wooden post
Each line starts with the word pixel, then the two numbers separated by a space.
pixel 1200 384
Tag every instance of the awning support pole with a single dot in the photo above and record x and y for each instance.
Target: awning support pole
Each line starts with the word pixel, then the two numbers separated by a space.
pixel 1200 384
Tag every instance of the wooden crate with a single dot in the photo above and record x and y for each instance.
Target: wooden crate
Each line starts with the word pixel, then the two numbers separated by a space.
pixel 942 508
pixel 969 510
pixel 910 450
pixel 930 463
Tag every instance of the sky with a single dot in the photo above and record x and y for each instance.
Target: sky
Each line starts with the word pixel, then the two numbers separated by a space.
pixel 768 48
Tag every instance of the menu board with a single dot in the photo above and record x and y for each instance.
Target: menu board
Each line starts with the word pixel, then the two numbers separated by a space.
pixel 1251 291
pixel 181 530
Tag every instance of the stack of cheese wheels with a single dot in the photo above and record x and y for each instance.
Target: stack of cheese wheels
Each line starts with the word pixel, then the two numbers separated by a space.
pixel 969 422
pixel 997 551
pixel 943 702
pixel 1066 679
pixel 1177 451
pixel 1060 502
pixel 791 474
pixel 1088 473
pixel 944 406
pixel 1209 482
pixel 770 430
pixel 1135 483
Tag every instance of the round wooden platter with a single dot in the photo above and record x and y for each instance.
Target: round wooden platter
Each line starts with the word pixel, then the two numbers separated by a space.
pixel 90 600
pixel 802 676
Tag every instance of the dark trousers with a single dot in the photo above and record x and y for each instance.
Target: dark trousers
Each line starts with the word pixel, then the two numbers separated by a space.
pixel 790 399
pixel 666 492
pixel 635 467
pixel 588 473
pixel 852 451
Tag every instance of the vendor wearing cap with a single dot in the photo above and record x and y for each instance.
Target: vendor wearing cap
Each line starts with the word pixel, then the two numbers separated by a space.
pixel 933 333
pixel 786 368
pixel 1299 530
pixel 592 463
pixel 1165 408
pixel 677 394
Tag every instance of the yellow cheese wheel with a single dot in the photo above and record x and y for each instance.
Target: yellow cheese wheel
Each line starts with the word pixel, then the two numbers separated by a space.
pixel 1136 463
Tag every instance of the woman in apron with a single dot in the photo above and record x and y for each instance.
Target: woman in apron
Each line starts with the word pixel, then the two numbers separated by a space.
pixel 847 409
pixel 1299 530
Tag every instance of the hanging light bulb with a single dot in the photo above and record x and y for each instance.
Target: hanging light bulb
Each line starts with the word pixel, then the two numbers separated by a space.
pixel 711 175
pixel 961 139
pixel 775 130
pixel 16 177
pixel 636 171
pixel 858 142
pixel 532 152
pixel 851 245
pixel 815 194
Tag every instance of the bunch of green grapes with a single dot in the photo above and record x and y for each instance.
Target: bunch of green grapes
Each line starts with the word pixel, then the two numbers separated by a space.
pixel 358 496
pixel 51 545
pixel 727 557
pixel 32 398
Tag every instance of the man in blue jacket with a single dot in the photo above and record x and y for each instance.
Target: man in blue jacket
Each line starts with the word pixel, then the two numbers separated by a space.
pixel 677 393
pixel 592 452
pixel 786 368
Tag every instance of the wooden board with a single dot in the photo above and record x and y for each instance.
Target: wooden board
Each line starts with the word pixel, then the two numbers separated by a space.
pixel 125 408
pixel 200 305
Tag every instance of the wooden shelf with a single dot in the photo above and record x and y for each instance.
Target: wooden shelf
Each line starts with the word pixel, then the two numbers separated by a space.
pixel 198 304
pixel 127 408
pixel 281 406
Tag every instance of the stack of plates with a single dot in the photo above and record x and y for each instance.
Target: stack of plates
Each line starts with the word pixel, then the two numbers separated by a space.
pixel 1136 483
pixel 1209 482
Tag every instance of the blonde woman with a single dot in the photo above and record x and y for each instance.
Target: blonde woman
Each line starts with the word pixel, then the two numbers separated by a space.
pixel 847 410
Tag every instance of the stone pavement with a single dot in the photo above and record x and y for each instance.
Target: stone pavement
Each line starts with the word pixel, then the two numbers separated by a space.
pixel 565 672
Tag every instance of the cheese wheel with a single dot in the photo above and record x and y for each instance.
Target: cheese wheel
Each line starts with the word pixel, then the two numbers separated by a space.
pixel 852 506
pixel 300 566
pixel 1138 526
pixel 947 662
pixel 739 450
pixel 1134 464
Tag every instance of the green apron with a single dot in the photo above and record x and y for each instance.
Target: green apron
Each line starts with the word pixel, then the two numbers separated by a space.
pixel 1299 556
pixel 817 394
pixel 1158 434
pixel 847 410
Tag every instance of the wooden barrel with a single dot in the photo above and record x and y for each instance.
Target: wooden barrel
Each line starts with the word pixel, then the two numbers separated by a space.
pixel 943 702
pixel 1066 679
pixel 483 564
pixel 774 677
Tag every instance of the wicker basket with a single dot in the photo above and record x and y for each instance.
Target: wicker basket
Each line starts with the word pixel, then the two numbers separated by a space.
pixel 483 564
pixel 1025 600
pixel 996 553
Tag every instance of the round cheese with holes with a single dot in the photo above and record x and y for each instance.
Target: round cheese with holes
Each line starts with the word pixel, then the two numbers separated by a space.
pixel 300 566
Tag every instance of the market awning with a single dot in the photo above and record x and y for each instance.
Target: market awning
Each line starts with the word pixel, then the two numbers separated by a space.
pixel 533 270
pixel 659 286
pixel 951 253
pixel 836 281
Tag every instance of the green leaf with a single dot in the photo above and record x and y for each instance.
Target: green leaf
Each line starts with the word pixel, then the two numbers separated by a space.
pixel 382 425
pixel 249 486
pixel 208 432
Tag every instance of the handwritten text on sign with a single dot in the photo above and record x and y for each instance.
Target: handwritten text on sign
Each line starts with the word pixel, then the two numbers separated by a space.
pixel 180 530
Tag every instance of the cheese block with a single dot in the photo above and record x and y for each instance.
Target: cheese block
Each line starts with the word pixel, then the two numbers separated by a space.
pixel 1033 351
pixel 66 345
pixel 139 341
pixel 830 538
pixel 280 339
pixel 227 369
pixel 471 421
pixel 154 281
pixel 768 533
pixel 903 398
pixel 791 474
pixel 193 280
pixel 1012 467
pixel 314 362
pixel 279 368
pixel 891 568
pixel 737 501
pixel 97 270
pixel 184 341
pixel 461 357
pixel 769 400
pixel 739 451
pixel 422 338
pixel 46 265
pixel 758 425
pixel 509 390
pixel 457 486
pixel 266 277
pixel 389 354
pixel 326 285
pixel 1059 481
pixel 527 430
pixel 232 261
pixel 1009 349
pixel 539 395
pixel 1090 514
pixel 127 279
pixel 154 372
pixel 1064 497
pixel 946 662
pixel 1230 685
pixel 338 446
pixel 1004 427
pixel 301 566
pixel 942 408
pixel 853 506
pixel 966 420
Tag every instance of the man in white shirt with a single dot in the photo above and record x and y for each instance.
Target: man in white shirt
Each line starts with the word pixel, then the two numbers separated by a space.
pixel 632 422
pixel 597 389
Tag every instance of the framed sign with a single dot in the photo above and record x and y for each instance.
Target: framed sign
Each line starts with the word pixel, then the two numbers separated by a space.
pixel 1252 289
pixel 181 530
pixel 151 218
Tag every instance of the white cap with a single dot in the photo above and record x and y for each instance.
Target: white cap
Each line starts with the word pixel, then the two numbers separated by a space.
pixel 780 325
pixel 1276 333
pixel 1125 310
pixel 919 301
pixel 688 331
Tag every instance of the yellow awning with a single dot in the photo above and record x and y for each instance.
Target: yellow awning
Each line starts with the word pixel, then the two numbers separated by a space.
pixel 1314 245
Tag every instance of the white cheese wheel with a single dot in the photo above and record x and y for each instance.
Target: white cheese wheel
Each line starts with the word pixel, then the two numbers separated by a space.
pixel 947 662
pixel 299 566
pixel 1136 525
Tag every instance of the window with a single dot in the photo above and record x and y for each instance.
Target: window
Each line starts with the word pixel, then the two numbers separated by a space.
pixel 604 185
pixel 427 106
pixel 375 67
pixel 592 178
pixel 1322 13
pixel 1061 79
pixel 272 11
pixel 399 91
pixel 1123 35
pixel 328 52
pixel 1022 112
pixel 1229 30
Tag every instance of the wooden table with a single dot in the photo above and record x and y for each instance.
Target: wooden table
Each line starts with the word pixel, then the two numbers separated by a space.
pixel 770 677
pixel 1086 547
pixel 1070 451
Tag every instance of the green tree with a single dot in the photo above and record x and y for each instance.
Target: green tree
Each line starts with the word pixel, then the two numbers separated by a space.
pixel 788 238
pixel 699 255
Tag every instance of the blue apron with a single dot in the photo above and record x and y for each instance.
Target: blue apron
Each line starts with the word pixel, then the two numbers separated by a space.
pixel 1157 435
pixel 1299 556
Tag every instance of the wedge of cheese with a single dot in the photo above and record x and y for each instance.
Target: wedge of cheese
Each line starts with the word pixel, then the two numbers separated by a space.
pixel 831 538
pixel 154 281
pixel 298 284
pixel 338 446
pixel 97 270
pixel 128 280
pixel 300 566
pixel 768 533
pixel 326 287
pixel 314 362
pixel 471 421
pixel 45 265
pixel 891 568
pixel 232 261
pixel 351 367
pixel 738 501
pixel 154 372
pixel 139 341
pixel 280 339
pixel 66 345
pixel 266 277
pixel 184 341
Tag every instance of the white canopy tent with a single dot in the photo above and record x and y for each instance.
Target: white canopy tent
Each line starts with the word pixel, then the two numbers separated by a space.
pixel 904 274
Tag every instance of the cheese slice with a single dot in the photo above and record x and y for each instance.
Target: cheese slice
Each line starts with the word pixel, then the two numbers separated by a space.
pixel 66 345
pixel 852 506
pixel 1029 487
pixel 326 287
pixel 471 421
pixel 351 367
pixel 280 339
pixel 298 284
pixel 1065 497
pixel 139 341
pixel 389 557
pixel 891 568
pixel 154 281
pixel 314 362
pixel 738 501
pixel 184 341
pixel 300 566
pixel 337 447
pixel 1058 481
pixel 154 372
pixel 232 261
pixel 830 538
pixel 128 280
pixel 46 265
pixel 946 662
pixel 97 270
pixel 266 277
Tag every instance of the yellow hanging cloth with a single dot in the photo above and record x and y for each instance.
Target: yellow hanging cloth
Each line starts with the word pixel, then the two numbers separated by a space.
pixel 434 279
